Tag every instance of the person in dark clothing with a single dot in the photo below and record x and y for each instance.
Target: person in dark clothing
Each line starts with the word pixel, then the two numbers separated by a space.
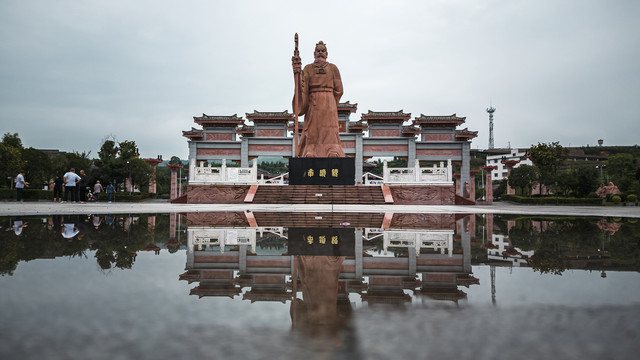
pixel 82 186
pixel 57 189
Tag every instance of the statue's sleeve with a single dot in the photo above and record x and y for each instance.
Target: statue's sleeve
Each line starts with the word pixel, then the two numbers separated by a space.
pixel 337 84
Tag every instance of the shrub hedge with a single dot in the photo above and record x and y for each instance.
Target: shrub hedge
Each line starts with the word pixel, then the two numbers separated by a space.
pixel 36 195
pixel 551 200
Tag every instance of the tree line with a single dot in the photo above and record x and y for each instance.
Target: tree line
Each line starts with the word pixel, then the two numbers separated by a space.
pixel 550 169
pixel 116 162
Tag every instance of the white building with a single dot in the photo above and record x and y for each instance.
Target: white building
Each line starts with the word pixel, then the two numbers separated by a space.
pixel 510 154
pixel 503 250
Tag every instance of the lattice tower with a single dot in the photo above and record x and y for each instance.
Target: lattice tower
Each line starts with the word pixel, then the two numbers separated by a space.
pixel 491 110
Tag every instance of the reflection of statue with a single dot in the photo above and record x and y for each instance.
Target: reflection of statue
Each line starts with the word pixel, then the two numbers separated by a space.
pixel 611 228
pixel 318 89
pixel 317 312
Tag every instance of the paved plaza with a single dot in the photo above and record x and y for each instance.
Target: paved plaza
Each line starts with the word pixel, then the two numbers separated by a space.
pixel 13 208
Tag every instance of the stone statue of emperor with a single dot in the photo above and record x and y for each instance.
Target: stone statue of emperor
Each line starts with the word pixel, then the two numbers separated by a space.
pixel 318 89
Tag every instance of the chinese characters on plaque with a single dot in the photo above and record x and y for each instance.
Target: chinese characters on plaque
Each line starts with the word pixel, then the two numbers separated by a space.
pixel 322 171
pixel 322 241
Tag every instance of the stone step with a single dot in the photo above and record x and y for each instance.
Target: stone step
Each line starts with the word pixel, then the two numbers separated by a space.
pixel 312 194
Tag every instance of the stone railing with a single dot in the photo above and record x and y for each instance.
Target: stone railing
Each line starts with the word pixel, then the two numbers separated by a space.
pixel 435 175
pixel 207 174
pixel 278 180
pixel 203 239
pixel 437 240
pixel 371 179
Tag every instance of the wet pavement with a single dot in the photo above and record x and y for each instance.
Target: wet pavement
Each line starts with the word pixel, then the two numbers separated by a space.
pixel 164 206
pixel 524 324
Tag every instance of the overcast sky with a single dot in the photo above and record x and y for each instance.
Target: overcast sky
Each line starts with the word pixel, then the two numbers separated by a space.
pixel 74 73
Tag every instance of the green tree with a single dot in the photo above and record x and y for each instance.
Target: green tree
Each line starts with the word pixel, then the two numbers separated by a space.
pixel 37 166
pixel 567 182
pixel 547 158
pixel 523 177
pixel 587 181
pixel 622 167
pixel 108 151
pixel 175 160
pixel 10 163
pixel 79 161
pixel 12 140
pixel 395 163
pixel 273 168
pixel 501 189
pixel 128 149
pixel 119 162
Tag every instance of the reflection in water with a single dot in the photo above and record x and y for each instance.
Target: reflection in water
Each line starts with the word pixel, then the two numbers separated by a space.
pixel 115 239
pixel 317 312
pixel 286 278
pixel 546 244
pixel 325 261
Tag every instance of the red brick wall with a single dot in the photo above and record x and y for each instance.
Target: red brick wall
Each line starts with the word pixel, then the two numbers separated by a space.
pixel 270 133
pixel 205 152
pixel 384 133
pixel 219 136
pixel 439 152
pixel 269 148
pixel 437 137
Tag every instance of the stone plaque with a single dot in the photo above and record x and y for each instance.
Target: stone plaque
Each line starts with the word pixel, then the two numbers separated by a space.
pixel 322 171
pixel 322 241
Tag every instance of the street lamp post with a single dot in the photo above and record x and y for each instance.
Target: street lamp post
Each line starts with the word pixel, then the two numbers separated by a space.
pixel 484 189
pixel 601 175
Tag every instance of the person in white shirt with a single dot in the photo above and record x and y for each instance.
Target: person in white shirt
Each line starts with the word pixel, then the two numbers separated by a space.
pixel 71 180
pixel 20 185
pixel 18 225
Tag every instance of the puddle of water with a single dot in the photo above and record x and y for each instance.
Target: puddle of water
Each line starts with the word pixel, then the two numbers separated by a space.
pixel 171 285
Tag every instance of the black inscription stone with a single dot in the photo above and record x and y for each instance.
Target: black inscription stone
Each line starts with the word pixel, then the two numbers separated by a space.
pixel 322 171
pixel 322 241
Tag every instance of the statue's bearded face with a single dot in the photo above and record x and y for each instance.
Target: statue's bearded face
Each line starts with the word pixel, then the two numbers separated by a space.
pixel 320 54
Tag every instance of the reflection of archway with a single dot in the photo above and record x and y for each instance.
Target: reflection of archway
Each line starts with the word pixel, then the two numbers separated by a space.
pixel 328 280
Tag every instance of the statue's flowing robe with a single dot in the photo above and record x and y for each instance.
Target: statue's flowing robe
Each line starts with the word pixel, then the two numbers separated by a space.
pixel 320 91
pixel 317 312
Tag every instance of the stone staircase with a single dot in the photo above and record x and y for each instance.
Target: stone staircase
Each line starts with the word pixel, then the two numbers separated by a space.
pixel 326 194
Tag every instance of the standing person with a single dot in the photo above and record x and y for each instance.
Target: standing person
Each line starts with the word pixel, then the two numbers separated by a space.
pixel 57 189
pixel 97 189
pixel 71 179
pixel 82 187
pixel 110 190
pixel 20 185
pixel 318 89
pixel 18 225
pixel 97 220
pixel 70 227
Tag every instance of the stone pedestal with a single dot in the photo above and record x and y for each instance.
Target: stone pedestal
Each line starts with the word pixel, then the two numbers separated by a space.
pixel 488 184
pixel 322 171
pixel 173 193
pixel 509 165
pixel 152 175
